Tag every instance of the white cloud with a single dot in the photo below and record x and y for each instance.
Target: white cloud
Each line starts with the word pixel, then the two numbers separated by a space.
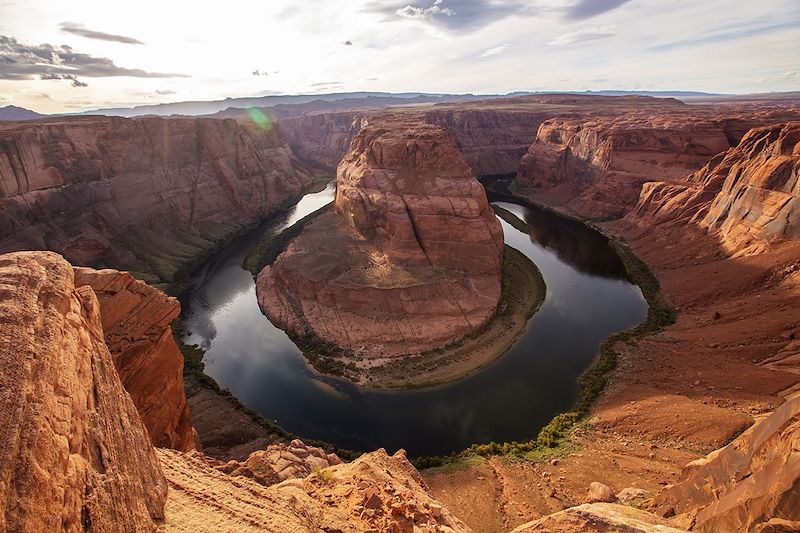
pixel 580 36
pixel 496 50
pixel 415 12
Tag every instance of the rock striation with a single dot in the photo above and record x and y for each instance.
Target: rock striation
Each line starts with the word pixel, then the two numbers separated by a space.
pixel 75 454
pixel 410 259
pixel 147 194
pixel 595 163
pixel 136 322
pixel 749 195
pixel 741 487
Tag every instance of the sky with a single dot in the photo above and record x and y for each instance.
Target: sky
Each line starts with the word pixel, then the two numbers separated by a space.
pixel 62 56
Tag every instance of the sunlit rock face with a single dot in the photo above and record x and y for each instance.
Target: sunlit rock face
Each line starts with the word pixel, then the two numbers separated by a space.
pixel 76 456
pixel 408 260
pixel 748 195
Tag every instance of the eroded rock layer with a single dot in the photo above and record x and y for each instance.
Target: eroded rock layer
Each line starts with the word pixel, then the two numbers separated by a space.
pixel 147 194
pixel 596 163
pixel 75 455
pixel 748 195
pixel 409 261
pixel 136 322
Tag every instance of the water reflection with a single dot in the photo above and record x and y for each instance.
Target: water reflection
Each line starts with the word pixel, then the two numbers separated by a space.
pixel 587 299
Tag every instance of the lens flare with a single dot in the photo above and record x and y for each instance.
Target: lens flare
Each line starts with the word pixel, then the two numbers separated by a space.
pixel 259 118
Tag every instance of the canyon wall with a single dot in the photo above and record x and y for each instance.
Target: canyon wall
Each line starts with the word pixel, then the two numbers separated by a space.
pixel 492 141
pixel 75 454
pixel 595 164
pixel 748 195
pixel 147 194
pixel 136 322
pixel 409 261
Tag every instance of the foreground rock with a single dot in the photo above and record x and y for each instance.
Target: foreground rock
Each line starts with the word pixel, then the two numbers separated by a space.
pixel 747 483
pixel 599 518
pixel 75 454
pixel 147 194
pixel 409 261
pixel 136 322
pixel 279 462
pixel 376 492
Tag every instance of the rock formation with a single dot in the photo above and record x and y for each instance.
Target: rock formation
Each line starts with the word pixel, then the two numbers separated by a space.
pixel 748 195
pixel 596 163
pixel 744 485
pixel 376 492
pixel 75 454
pixel 136 321
pixel 599 518
pixel 279 462
pixel 147 194
pixel 322 138
pixel 409 261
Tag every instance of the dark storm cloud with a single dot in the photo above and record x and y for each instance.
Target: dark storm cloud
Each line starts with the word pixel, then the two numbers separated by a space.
pixel 24 62
pixel 78 29
pixel 584 9
pixel 453 15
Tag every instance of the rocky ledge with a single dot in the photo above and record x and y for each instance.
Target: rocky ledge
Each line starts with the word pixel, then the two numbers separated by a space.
pixel 410 259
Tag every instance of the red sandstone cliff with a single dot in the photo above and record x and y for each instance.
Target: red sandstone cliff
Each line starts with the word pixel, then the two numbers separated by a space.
pixel 147 194
pixel 411 259
pixel 595 163
pixel 748 195
pixel 75 454
pixel 136 322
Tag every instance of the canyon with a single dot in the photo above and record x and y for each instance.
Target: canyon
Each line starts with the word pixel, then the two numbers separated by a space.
pixel 696 427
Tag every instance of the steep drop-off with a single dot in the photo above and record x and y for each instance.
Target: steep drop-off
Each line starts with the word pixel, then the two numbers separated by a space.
pixel 409 261
pixel 147 194
pixel 136 322
pixel 595 164
pixel 75 454
pixel 748 196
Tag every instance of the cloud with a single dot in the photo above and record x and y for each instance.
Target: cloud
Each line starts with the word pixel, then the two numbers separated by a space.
pixel 452 15
pixel 581 36
pixel 732 34
pixel 164 92
pixel 348 43
pixel 494 51
pixel 260 73
pixel 78 29
pixel 25 62
pixel 53 76
pixel 584 9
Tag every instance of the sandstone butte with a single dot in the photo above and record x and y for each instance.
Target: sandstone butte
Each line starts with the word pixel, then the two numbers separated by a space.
pixel 147 194
pixel 410 259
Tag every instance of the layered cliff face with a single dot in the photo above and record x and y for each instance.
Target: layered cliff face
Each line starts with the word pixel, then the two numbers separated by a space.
pixel 322 138
pixel 75 454
pixel 409 261
pixel 492 141
pixel 748 196
pixel 147 194
pixel 748 485
pixel 595 163
pixel 136 322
